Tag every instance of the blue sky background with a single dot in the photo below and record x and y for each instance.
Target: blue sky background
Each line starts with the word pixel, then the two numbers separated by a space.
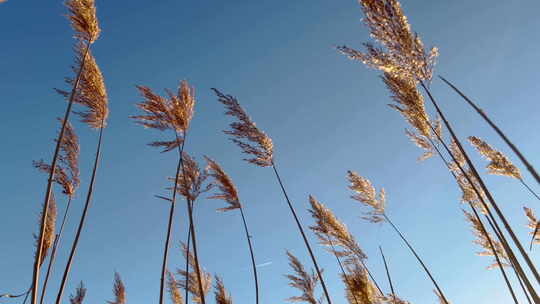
pixel 325 113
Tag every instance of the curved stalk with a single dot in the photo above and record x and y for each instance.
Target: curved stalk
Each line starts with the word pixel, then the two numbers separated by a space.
pixel 529 167
pixel 253 264
pixel 37 261
pixel 82 220
pixel 53 252
pixel 306 242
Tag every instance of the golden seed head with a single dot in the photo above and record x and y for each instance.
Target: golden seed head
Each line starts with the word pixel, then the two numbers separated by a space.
pixel 192 278
pixel 225 185
pixel 222 297
pixel 79 295
pixel 302 280
pixel 83 19
pixel 119 290
pixel 499 163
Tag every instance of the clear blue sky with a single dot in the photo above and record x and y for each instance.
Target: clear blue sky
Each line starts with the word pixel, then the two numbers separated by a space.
pixel 326 115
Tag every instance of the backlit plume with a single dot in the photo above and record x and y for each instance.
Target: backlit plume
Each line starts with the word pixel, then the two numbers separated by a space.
pixel 225 185
pixel 499 163
pixel 83 19
pixel 302 280
pixel 365 194
pixel 191 179
pixel 173 113
pixel 222 297
pixel 191 277
pixel 245 133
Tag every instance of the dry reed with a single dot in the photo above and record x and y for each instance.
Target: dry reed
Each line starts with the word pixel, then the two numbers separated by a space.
pixel 221 295
pixel 172 287
pixel 190 280
pixel 302 280
pixel 79 295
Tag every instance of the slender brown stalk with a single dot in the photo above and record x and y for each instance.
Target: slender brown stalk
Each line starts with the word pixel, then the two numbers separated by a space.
pixel 301 229
pixel 187 263
pixel 48 191
pixel 388 274
pixel 82 220
pixel 484 188
pixel 417 257
pixel 529 167
pixel 529 188
pixel 53 253
pixel 253 264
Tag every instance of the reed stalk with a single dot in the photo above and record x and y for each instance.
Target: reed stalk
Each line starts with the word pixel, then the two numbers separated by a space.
pixel 388 275
pixel 525 162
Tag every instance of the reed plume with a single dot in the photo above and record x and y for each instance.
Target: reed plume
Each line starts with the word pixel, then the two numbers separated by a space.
pixel 119 290
pixel 190 279
pixel 50 224
pixel 79 295
pixel 365 193
pixel 84 22
pixel 359 286
pixel 302 280
pixel 332 232
pixel 172 287
pixel 534 225
pixel 91 94
pixel 222 297
pixel 229 194
pixel 170 113
pixel 499 164
pixel 255 142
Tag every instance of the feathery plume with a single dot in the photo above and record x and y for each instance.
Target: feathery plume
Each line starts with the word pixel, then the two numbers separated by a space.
pixel 365 194
pixel 302 281
pixel 174 292
pixel 80 292
pixel 83 19
pixel 221 294
pixel 119 290
pixel 50 223
pixel 358 285
pixel 261 146
pixel 91 91
pixel 402 53
pixel 190 278
pixel 439 297
pixel 191 179
pixel 330 231
pixel 225 185
pixel 533 224
pixel 173 112
pixel 67 171
pixel 499 163
pixel 482 241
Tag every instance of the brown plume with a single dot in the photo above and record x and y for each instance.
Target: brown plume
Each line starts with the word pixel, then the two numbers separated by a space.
pixel 50 224
pixel 358 287
pixel 80 292
pixel 533 224
pixel 302 281
pixel 499 163
pixel 245 130
pixel 221 294
pixel 119 290
pixel 172 287
pixel 330 231
pixel 191 277
pixel 191 179
pixel 365 194
pixel 83 19
pixel 225 185
pixel 173 112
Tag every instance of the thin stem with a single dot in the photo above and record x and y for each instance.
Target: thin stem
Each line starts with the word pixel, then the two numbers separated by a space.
pixel 497 258
pixel 529 188
pixel 37 261
pixel 486 191
pixel 169 225
pixel 319 273
pixel 521 284
pixel 534 234
pixel 248 237
pixel 53 252
pixel 83 217
pixel 187 263
pixel 388 275
pixel 417 257
pixel 345 276
pixel 529 167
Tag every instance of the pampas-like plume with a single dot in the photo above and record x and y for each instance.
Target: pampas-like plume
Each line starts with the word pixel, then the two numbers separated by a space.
pixel 229 194
pixel 483 241
pixel 172 287
pixel 79 295
pixel 191 179
pixel 91 91
pixel 221 294
pixel 402 53
pixel 499 163
pixel 245 132
pixel 366 194
pixel 302 281
pixel 50 224
pixel 534 225
pixel 173 112
pixel 83 19
pixel 119 290
pixel 359 287
pixel 190 279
